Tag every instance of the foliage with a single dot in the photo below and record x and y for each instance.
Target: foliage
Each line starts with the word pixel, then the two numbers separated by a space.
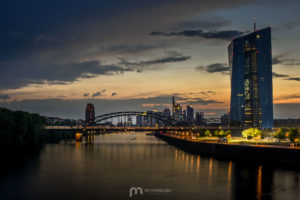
pixel 280 134
pixel 263 134
pixel 207 133
pixel 19 129
pixel 216 133
pixel 251 133
pixel 222 133
pixel 293 134
pixel 228 132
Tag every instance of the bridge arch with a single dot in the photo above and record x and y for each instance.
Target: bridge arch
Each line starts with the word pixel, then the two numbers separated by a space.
pixel 168 120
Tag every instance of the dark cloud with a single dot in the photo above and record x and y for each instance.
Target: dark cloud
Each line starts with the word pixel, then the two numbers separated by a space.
pixel 213 68
pixel 66 29
pixel 4 97
pixel 287 77
pixel 291 25
pixel 86 94
pixel 283 59
pixel 222 35
pixel 19 74
pixel 113 94
pixel 276 75
pixel 150 64
pixel 203 24
pixel 286 97
pixel 99 93
pixel 293 79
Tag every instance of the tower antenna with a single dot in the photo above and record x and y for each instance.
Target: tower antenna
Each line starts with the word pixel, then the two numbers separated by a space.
pixel 254 23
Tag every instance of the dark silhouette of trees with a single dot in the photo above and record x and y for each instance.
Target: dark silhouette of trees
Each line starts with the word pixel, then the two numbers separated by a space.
pixel 19 129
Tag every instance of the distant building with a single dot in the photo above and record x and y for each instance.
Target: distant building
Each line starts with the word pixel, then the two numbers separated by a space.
pixel 90 114
pixel 224 120
pixel 183 116
pixel 200 120
pixel 250 64
pixel 139 120
pixel 148 120
pixel 167 112
pixel 177 110
pixel 189 113
pixel 128 122
pixel 279 123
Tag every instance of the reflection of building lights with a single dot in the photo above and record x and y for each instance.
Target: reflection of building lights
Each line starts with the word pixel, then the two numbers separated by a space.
pixel 198 164
pixel 229 176
pixel 259 186
pixel 210 166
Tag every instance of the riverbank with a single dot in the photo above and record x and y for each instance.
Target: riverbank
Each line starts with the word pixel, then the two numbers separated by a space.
pixel 236 151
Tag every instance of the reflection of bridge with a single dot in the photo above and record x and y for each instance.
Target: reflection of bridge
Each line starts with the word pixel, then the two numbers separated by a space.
pixel 152 115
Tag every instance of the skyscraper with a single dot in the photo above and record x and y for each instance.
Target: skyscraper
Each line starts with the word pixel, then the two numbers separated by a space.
pixel 250 64
pixel 177 110
pixel 189 113
pixel 200 118
pixel 90 114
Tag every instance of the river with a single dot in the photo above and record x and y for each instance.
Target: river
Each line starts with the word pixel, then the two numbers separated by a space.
pixel 109 166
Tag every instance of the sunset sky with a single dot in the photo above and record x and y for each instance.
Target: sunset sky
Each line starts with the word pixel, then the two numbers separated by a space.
pixel 58 55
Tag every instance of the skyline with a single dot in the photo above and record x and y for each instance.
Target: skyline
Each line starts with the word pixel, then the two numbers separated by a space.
pixel 131 56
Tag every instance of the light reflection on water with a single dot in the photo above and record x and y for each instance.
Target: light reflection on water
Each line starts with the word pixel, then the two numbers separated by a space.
pixel 106 166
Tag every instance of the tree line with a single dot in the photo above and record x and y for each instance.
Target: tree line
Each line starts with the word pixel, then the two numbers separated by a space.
pixel 20 129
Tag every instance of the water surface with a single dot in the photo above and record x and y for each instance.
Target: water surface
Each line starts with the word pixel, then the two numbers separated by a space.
pixel 107 166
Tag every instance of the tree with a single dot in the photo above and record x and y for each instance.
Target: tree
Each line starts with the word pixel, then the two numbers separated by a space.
pixel 216 133
pixel 263 134
pixel 19 129
pixel 280 134
pixel 293 134
pixel 228 132
pixel 251 133
pixel 207 133
pixel 247 133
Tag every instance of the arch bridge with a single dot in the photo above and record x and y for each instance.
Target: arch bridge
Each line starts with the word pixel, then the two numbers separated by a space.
pixel 165 119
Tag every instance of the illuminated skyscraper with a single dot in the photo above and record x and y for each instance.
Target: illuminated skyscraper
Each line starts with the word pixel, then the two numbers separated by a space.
pixel 189 113
pixel 250 64
pixel 177 110
pixel 90 114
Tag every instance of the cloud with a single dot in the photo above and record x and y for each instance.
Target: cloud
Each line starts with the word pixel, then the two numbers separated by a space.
pixel 293 79
pixel 172 57
pixel 276 75
pixel 151 64
pixel 19 74
pixel 203 24
pixel 213 68
pixel 286 97
pixel 287 77
pixel 222 35
pixel 283 59
pixel 86 94
pixel 100 93
pixel 113 94
pixel 291 25
pixel 4 97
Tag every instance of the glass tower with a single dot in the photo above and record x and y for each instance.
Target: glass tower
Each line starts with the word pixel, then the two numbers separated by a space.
pixel 250 64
